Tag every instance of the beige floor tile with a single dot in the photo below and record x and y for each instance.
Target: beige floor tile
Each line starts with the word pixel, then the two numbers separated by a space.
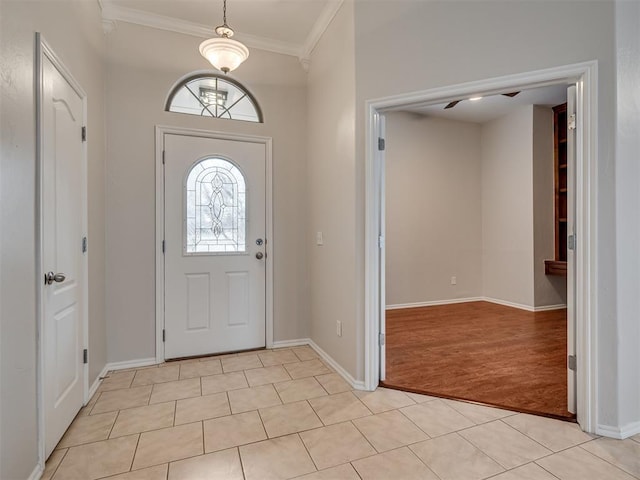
pixel 223 465
pixel 262 376
pixel 341 472
pixel 290 418
pixel 578 464
pixel 479 413
pixel 278 357
pixel 451 457
pixel 88 429
pixel 223 383
pixel 243 362
pixel 305 353
pixel 505 444
pixel 279 458
pixel 436 418
pixel 159 472
pixel 553 434
pixel 301 389
pixel 307 368
pixel 143 419
pixel 636 438
pixel 195 409
pixel 116 381
pixel 530 471
pixel 165 392
pixel 333 383
pixel 339 408
pixel 119 399
pixel 200 369
pixel 232 431
pixel 336 444
pixel 401 464
pixel 169 444
pixel 97 460
pixel 624 454
pixel 53 462
pixel 389 430
pixel 150 376
pixel 419 398
pixel 253 398
pixel 383 399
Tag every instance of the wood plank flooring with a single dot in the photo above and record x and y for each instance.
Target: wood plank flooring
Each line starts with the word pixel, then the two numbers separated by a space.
pixel 482 352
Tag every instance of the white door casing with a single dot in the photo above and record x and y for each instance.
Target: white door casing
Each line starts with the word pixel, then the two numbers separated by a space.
pixel 214 301
pixel 63 298
pixel 571 259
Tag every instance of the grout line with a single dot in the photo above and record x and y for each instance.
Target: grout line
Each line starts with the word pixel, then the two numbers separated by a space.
pixel 175 412
pixel 57 466
pixel 241 462
pixel 113 425
pixel 604 460
pixel 308 452
pixel 135 452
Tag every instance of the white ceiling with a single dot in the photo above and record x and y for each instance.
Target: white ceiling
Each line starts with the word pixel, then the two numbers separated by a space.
pixel 284 26
pixel 495 106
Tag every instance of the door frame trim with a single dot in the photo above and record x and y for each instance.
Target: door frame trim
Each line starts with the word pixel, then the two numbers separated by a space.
pixel 161 131
pixel 43 49
pixel 585 75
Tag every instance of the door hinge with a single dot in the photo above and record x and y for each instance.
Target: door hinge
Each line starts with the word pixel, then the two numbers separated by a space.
pixel 84 244
pixel 164 335
pixel 163 152
pixel 572 363
pixel 380 143
pixel 381 339
pixel 571 242
pixel 163 246
pixel 381 241
pixel 85 356
pixel 84 134
pixel 571 122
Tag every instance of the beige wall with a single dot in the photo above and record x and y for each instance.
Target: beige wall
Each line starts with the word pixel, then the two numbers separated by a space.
pixel 73 30
pixel 332 193
pixel 433 209
pixel 143 65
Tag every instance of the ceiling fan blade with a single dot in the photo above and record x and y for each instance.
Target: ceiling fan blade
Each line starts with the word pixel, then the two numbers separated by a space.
pixel 512 94
pixel 452 104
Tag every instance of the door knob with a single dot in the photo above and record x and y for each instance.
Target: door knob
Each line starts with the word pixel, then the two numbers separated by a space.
pixel 51 277
pixel 259 255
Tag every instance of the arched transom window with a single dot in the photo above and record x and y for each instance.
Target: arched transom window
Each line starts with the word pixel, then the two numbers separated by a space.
pixel 214 96
pixel 215 208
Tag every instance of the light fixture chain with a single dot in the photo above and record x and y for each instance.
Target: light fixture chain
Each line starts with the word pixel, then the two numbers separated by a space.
pixel 224 12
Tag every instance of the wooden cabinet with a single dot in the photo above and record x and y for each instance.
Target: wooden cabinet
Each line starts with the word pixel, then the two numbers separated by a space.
pixel 558 266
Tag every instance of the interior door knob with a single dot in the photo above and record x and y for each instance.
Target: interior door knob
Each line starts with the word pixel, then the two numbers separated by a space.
pixel 259 255
pixel 51 277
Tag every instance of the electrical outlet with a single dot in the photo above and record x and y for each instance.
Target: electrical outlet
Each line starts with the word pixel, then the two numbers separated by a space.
pixel 339 328
pixel 454 281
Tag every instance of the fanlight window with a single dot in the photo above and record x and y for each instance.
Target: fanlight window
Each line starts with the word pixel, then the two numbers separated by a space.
pixel 214 96
pixel 215 208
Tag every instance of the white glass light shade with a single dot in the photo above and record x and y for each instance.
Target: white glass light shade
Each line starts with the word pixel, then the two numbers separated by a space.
pixel 223 53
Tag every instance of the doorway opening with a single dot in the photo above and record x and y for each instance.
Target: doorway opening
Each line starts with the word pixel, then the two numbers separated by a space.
pixel 578 344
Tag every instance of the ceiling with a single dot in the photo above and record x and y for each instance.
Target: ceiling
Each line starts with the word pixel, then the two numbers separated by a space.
pixel 291 27
pixel 495 106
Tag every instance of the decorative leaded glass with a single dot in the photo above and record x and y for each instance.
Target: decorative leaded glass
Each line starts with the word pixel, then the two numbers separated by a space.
pixel 213 96
pixel 215 208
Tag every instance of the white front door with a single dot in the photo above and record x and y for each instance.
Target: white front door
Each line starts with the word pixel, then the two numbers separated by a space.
pixel 215 220
pixel 62 258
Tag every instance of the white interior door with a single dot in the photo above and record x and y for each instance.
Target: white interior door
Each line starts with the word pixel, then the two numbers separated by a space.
pixel 215 253
pixel 62 258
pixel 571 257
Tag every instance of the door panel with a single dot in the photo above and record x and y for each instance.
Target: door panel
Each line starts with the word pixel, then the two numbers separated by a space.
pixel 62 207
pixel 214 214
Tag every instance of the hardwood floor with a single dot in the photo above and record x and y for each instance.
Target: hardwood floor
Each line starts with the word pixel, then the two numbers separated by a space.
pixel 482 352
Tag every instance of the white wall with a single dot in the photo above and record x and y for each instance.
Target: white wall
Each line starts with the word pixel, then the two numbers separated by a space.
pixel 433 209
pixel 332 193
pixel 143 65
pixel 73 30
pixel 484 40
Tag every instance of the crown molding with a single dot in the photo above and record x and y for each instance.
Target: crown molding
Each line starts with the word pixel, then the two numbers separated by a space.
pixel 318 29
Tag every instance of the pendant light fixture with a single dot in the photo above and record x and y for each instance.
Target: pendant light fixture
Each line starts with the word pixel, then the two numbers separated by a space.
pixel 222 52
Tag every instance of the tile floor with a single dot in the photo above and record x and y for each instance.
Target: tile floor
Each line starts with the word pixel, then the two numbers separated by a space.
pixel 285 414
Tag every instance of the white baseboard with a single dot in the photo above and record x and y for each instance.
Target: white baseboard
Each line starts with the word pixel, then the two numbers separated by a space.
pixel 96 383
pixel 37 473
pixel 619 433
pixel 141 362
pixel 290 343
pixel 358 385
pixel 497 301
